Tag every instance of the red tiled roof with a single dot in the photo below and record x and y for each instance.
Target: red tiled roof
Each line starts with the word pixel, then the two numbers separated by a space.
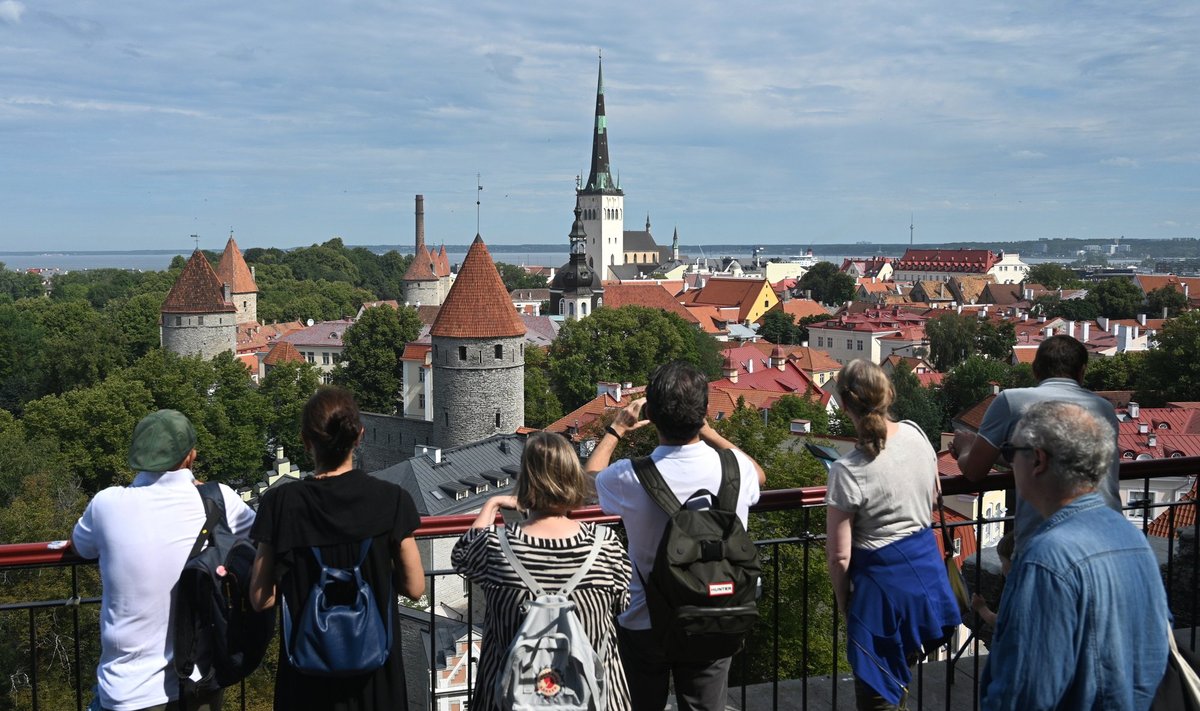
pixel 1150 282
pixel 478 305
pixel 592 410
pixel 198 290
pixel 972 417
pixel 283 352
pixel 754 372
pixel 1185 517
pixel 650 295
pixel 422 267
pixel 965 534
pixel 802 308
pixel 232 270
pixel 947 260
pixel 255 337
pixel 741 293
pixel 441 263
pixel 416 351
pixel 325 334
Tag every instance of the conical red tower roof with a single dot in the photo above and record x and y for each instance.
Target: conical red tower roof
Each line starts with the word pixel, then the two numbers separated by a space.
pixel 283 352
pixel 198 290
pixel 478 305
pixel 422 267
pixel 233 270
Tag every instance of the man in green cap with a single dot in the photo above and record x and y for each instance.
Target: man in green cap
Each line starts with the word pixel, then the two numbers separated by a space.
pixel 142 534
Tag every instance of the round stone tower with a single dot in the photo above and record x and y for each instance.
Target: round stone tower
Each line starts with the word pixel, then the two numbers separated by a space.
pixel 478 356
pixel 198 316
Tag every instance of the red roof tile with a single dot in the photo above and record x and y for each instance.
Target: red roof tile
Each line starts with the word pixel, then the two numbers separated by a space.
pixel 741 293
pixel 802 308
pixel 232 270
pixel 478 305
pixel 651 295
pixel 576 423
pixel 947 260
pixel 198 290
pixel 1185 517
pixel 283 352
pixel 422 267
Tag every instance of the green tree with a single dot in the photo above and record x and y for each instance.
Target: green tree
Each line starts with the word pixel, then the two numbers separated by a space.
pixel 1117 298
pixel 328 262
pixel 778 327
pixel 1053 276
pixel 1171 371
pixel 1118 372
pixel 372 367
pixel 18 285
pixel 84 345
pixel 795 407
pixel 951 339
pixel 970 382
pixel 618 345
pixel 803 324
pixel 995 340
pixel 291 299
pixel 1165 298
pixel 137 320
pixel 541 405
pixel 827 283
pixel 92 427
pixel 21 378
pixel 1052 306
pixel 515 277
pixel 917 403
pixel 285 389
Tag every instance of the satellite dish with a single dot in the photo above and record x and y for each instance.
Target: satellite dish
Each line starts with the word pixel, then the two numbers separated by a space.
pixel 310 322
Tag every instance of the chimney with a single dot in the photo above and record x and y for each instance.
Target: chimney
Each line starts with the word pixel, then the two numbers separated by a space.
pixel 1042 318
pixel 1135 333
pixel 1087 327
pixel 995 388
pixel 1102 322
pixel 750 365
pixel 1048 332
pixel 420 222
pixel 1134 410
pixel 252 275
pixel 1027 294
pixel 226 291
pixel 1141 319
pixel 1164 312
pixel 1143 428
pixel 1152 441
pixel 1071 329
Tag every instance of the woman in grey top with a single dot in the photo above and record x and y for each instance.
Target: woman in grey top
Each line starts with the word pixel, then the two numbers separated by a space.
pixel 884 563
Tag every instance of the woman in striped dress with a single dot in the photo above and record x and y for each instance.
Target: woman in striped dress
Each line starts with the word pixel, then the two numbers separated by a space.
pixel 552 547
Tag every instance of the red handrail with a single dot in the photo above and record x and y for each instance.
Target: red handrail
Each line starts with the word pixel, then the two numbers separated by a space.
pixel 57 553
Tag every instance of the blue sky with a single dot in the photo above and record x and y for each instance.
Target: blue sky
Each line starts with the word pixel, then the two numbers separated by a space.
pixel 134 124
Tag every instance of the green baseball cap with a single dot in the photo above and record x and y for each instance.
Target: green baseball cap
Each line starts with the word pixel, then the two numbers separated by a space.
pixel 160 441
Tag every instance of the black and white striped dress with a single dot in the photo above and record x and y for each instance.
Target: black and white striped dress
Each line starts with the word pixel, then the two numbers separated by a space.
pixel 598 598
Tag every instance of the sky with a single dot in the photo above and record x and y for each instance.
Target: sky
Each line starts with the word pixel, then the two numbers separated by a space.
pixel 133 124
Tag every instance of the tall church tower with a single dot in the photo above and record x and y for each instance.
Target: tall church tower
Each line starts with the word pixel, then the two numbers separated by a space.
pixel 576 290
pixel 601 199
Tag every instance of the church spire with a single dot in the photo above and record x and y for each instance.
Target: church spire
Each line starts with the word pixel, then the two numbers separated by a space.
pixel 600 179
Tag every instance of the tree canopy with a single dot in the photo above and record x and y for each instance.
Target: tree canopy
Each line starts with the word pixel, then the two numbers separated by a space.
pixel 623 345
pixel 1053 275
pixel 828 284
pixel 372 368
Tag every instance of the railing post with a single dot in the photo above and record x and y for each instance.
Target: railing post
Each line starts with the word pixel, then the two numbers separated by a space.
pixel 33 670
pixel 75 631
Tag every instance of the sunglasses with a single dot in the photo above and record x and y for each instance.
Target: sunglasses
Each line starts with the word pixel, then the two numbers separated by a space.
pixel 1008 449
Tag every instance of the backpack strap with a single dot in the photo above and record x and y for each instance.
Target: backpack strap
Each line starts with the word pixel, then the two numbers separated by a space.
pixel 506 549
pixel 731 480
pixel 528 579
pixel 341 574
pixel 597 542
pixel 214 513
pixel 651 480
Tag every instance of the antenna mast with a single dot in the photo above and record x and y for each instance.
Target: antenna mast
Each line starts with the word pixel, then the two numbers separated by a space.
pixel 478 189
pixel 910 229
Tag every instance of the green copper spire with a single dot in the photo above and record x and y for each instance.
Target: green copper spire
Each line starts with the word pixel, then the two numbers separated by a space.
pixel 600 179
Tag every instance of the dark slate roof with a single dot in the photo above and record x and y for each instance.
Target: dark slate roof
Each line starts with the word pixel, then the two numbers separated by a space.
pixel 626 272
pixel 639 241
pixel 417 650
pixel 432 486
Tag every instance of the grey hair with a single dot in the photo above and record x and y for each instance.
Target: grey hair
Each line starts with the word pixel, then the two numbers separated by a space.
pixel 1081 446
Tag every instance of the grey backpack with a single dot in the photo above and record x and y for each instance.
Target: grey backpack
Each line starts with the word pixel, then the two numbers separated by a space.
pixel 551 663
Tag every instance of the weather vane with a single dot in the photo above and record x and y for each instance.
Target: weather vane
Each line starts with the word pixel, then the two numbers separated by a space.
pixel 478 190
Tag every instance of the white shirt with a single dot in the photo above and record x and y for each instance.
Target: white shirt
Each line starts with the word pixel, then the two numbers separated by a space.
pixel 686 469
pixel 142 535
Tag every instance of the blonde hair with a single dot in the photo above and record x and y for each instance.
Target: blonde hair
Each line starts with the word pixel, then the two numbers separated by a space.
pixel 552 479
pixel 867 393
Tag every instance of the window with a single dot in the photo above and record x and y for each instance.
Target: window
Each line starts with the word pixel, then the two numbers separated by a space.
pixel 499 351
pixel 325 358
pixel 497 418
pixel 859 344
pixel 849 344
pixel 583 308
pixel 199 320
pixel 462 352
pixel 1139 503
pixel 311 357
pixel 421 401
pixel 446 418
pixel 178 321
pixel 420 375
pixel 957 547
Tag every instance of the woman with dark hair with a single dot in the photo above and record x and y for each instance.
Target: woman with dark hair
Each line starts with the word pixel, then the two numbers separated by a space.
pixel 551 547
pixel 337 512
pixel 888 576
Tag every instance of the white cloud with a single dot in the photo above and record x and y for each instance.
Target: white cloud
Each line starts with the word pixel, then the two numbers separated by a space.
pixel 1120 162
pixel 1027 155
pixel 11 11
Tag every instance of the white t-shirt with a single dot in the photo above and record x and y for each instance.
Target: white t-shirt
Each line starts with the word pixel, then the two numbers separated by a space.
pixel 686 470
pixel 142 535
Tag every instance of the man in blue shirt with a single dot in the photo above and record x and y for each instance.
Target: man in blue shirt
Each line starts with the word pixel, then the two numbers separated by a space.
pixel 1058 366
pixel 1083 622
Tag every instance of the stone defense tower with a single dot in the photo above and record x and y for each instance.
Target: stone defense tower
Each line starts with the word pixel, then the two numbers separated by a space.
pixel 427 281
pixel 232 270
pixel 576 289
pixel 198 315
pixel 601 199
pixel 478 356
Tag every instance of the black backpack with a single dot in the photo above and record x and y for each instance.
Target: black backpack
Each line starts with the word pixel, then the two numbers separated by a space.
pixel 702 589
pixel 216 629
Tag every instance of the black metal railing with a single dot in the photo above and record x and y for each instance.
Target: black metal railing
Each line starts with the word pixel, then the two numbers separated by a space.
pixel 51 665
